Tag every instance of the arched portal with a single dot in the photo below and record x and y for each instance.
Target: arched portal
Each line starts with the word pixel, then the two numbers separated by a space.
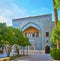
pixel 34 33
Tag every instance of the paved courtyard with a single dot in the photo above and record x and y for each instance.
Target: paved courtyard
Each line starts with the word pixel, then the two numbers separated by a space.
pixel 36 56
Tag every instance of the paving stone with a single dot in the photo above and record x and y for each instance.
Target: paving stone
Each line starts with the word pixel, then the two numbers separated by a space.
pixel 35 55
pixel 41 57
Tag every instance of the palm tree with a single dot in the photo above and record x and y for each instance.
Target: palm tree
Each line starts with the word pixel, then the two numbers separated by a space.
pixel 55 13
pixel 56 19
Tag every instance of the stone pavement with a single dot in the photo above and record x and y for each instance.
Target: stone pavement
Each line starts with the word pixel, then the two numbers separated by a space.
pixel 35 57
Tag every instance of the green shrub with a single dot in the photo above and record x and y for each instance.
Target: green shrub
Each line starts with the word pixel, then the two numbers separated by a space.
pixel 15 56
pixel 55 53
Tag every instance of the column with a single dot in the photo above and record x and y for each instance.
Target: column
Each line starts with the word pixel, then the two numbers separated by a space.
pixel 31 34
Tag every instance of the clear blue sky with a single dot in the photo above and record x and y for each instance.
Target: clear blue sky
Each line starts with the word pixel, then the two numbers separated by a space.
pixel 11 9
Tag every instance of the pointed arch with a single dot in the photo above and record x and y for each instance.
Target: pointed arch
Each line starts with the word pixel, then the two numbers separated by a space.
pixel 36 26
pixel 31 24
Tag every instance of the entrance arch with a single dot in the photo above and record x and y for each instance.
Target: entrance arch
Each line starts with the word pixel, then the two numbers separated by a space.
pixel 34 33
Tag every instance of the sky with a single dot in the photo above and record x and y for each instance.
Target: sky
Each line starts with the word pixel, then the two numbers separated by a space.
pixel 11 9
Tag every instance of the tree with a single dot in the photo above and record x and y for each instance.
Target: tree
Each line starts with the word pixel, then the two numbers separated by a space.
pixel 9 36
pixel 18 36
pixel 57 4
pixel 9 39
pixel 24 42
pixel 13 36
pixel 55 13
pixel 55 35
pixel 2 26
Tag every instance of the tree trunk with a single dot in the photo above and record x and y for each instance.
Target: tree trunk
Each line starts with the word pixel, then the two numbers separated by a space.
pixel 8 49
pixel 58 45
pixel 8 54
pixel 17 49
pixel 55 13
pixel 5 48
pixel 27 50
pixel 23 51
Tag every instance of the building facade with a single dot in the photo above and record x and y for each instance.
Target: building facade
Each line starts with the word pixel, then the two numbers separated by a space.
pixel 36 28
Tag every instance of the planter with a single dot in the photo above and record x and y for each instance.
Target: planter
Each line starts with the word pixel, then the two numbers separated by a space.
pixel 5 59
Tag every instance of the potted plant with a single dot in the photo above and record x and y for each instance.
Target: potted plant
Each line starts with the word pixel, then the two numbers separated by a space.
pixel 55 54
